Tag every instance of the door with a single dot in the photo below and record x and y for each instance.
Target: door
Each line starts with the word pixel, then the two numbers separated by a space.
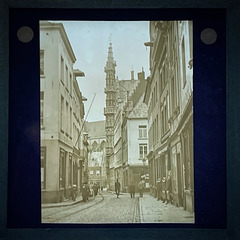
pixel 179 180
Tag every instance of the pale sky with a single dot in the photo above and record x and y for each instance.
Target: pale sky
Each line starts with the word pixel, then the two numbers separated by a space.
pixel 90 41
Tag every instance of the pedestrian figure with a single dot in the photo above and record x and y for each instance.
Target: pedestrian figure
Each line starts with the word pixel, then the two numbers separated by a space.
pixel 84 192
pixel 141 187
pixel 132 190
pixel 159 189
pixel 169 188
pixel 95 189
pixel 117 188
pixel 73 192
pixel 88 190
pixel 164 190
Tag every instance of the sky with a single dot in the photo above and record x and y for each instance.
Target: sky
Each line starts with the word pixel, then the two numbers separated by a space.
pixel 90 41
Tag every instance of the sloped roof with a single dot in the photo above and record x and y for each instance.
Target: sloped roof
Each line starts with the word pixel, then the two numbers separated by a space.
pixel 140 109
pixel 138 92
pixel 95 129
pixel 124 86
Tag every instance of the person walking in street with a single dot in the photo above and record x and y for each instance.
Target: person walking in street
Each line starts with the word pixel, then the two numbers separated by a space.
pixel 164 190
pixel 132 190
pixel 88 190
pixel 159 189
pixel 117 188
pixel 73 194
pixel 141 187
pixel 84 192
pixel 95 189
pixel 169 188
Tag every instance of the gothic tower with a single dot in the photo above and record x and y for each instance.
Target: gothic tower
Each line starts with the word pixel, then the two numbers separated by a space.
pixel 110 109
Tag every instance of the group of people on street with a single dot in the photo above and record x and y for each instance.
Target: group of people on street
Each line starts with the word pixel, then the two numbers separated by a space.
pixel 131 188
pixel 164 189
pixel 86 191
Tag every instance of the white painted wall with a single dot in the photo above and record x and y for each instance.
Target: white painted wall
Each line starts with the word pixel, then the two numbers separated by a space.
pixel 134 141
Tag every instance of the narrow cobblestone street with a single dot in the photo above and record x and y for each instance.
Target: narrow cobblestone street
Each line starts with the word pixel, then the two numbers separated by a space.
pixel 107 208
pixel 103 209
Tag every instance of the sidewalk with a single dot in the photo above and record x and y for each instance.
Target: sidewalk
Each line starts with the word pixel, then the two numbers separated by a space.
pixel 65 203
pixel 153 211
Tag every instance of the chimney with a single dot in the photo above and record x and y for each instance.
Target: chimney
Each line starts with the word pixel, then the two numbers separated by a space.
pixel 132 75
pixel 141 75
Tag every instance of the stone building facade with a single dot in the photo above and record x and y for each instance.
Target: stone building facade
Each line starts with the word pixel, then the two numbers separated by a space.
pixel 169 96
pixel 135 136
pixel 63 147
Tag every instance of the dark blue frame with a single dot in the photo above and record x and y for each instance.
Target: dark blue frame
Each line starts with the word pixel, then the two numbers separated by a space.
pixel 209 128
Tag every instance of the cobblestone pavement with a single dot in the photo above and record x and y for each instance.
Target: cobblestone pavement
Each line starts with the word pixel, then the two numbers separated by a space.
pixel 108 210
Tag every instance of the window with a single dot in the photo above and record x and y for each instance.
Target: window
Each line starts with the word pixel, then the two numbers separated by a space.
pixel 98 173
pixel 187 161
pixel 165 118
pixel 41 62
pixel 70 82
pixel 163 75
pixel 166 74
pixel 67 119
pixel 66 77
pixel 41 108
pixel 70 122
pixel 143 131
pixel 183 63
pixel 173 94
pixel 61 168
pixel 62 70
pixel 91 172
pixel 62 113
pixel 162 122
pixel 160 82
pixel 142 151
pixel 154 131
pixel 70 171
pixel 43 167
pixel 166 112
pixel 156 91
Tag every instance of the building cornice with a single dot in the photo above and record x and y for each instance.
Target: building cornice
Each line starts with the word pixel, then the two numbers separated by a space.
pixel 45 25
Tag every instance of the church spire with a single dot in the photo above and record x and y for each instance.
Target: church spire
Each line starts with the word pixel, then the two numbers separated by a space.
pixel 110 64
pixel 110 91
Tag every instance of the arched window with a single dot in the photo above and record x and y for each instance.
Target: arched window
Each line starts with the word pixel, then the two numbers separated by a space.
pixel 94 146
pixel 103 145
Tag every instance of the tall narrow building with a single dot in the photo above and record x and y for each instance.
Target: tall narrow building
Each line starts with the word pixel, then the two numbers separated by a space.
pixel 109 110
